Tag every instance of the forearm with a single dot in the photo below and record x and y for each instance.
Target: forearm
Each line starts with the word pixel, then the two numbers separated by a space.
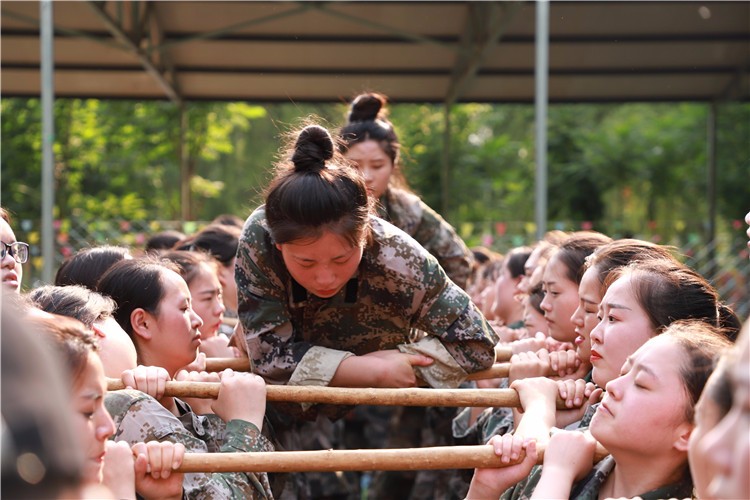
pixel 556 482
pixel 358 371
pixel 536 421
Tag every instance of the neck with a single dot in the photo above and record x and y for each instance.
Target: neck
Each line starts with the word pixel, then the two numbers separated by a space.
pixel 146 358
pixel 633 475
pixel 514 317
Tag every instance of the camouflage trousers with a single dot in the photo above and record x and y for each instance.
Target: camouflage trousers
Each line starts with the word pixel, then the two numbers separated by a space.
pixel 368 427
pixel 321 434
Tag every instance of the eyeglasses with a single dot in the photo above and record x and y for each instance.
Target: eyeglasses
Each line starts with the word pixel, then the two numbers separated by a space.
pixel 18 250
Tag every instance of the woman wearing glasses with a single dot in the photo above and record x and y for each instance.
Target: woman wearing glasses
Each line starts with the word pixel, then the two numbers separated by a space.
pixel 12 254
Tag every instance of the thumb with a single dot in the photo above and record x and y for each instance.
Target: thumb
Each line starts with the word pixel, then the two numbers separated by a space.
pixel 420 360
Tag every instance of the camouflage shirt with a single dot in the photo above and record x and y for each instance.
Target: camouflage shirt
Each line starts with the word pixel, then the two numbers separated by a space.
pixel 588 488
pixel 140 418
pixel 409 213
pixel 297 338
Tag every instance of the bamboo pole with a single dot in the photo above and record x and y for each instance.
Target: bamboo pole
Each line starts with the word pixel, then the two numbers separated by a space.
pixel 430 458
pixel 356 396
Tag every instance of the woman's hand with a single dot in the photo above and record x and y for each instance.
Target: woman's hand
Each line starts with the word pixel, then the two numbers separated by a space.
pixel 564 363
pixel 200 406
pixel 242 396
pixel 155 466
pixel 198 364
pixel 536 416
pixel 492 482
pixel 117 472
pixel 538 341
pixel 394 368
pixel 149 379
pixel 578 396
pixel 218 347
pixel 529 365
pixel 572 451
pixel 152 380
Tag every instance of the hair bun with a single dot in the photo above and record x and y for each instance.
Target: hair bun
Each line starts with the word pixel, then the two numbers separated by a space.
pixel 313 147
pixel 366 107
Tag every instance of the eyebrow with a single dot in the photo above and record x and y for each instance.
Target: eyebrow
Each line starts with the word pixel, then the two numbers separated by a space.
pixel 618 306
pixel 640 367
pixel 307 259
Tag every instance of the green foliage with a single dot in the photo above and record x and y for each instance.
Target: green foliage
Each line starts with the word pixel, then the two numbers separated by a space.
pixel 617 166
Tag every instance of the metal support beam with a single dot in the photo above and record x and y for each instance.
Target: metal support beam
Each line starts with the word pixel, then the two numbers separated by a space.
pixel 60 30
pixel 150 68
pixel 382 27
pixel 540 104
pixel 485 24
pixel 48 137
pixel 232 28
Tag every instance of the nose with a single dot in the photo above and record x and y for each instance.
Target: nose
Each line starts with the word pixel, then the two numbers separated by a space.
pixel 367 174
pixel 105 427
pixel 8 261
pixel 614 387
pixel 597 334
pixel 219 306
pixel 545 305
pixel 195 320
pixel 577 318
pixel 325 277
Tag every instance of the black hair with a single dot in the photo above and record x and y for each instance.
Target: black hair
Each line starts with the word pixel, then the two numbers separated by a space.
pixel 574 250
pixel 315 190
pixel 368 121
pixel 87 266
pixel 134 284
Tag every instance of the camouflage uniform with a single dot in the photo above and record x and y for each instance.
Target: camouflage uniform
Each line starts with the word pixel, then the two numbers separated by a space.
pixel 430 426
pixel 409 213
pixel 139 418
pixel 588 488
pixel 296 338
pixel 299 339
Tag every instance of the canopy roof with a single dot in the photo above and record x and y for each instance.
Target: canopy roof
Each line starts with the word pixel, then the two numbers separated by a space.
pixel 411 51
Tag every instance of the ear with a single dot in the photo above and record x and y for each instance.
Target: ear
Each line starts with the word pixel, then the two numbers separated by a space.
pixel 682 436
pixel 142 321
pixel 278 247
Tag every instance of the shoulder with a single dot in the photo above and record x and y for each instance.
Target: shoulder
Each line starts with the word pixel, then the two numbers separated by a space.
pixel 255 226
pixel 394 249
pixel 405 209
pixel 120 402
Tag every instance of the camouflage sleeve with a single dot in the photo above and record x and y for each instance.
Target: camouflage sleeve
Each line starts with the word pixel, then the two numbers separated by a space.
pixel 441 240
pixel 318 366
pixel 447 313
pixel 444 372
pixel 262 305
pixel 139 418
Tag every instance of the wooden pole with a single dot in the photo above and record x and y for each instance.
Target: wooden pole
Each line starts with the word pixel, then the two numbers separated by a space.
pixel 220 364
pixel 430 458
pixel 503 353
pixel 356 396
